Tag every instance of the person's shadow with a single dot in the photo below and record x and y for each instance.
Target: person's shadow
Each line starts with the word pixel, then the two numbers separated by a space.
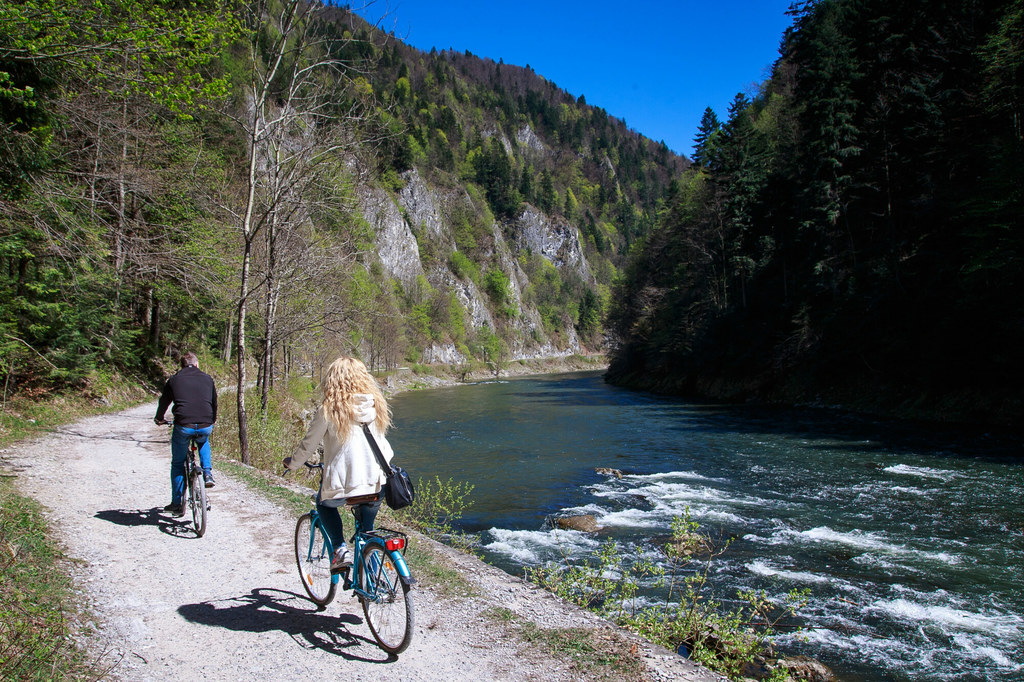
pixel 178 527
pixel 267 610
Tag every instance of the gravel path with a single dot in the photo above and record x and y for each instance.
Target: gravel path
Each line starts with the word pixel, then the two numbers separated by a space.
pixel 167 605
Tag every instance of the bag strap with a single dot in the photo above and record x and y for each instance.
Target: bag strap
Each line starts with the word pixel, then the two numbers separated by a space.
pixel 388 471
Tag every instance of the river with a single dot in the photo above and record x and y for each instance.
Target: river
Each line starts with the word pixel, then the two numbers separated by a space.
pixel 909 537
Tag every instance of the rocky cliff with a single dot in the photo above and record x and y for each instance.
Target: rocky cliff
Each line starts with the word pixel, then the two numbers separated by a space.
pixel 418 219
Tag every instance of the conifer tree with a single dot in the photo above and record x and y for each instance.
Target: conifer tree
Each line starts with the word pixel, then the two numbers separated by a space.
pixel 704 143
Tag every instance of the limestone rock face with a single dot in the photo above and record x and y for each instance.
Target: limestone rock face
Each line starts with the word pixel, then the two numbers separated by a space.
pixel 396 245
pixel 528 139
pixel 557 241
pixel 417 220
pixel 443 354
pixel 423 208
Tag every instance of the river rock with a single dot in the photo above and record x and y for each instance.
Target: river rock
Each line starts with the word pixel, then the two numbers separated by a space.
pixel 606 471
pixel 584 522
pixel 804 668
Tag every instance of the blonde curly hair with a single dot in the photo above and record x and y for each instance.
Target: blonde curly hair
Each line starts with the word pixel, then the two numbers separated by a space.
pixel 345 378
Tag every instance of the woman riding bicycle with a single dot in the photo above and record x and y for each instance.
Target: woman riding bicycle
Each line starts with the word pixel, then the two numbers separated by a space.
pixel 351 398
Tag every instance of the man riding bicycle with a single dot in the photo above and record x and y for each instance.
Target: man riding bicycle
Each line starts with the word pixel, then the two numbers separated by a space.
pixel 195 412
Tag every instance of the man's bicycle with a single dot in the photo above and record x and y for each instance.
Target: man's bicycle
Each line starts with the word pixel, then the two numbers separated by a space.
pixel 195 487
pixel 379 576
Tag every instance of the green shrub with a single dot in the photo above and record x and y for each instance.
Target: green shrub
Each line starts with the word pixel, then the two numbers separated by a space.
pixel 437 506
pixel 689 616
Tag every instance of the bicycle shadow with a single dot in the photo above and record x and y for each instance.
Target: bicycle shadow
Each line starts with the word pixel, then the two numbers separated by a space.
pixel 261 611
pixel 156 516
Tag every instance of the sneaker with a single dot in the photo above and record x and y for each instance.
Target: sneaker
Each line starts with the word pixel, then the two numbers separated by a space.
pixel 173 508
pixel 208 479
pixel 342 560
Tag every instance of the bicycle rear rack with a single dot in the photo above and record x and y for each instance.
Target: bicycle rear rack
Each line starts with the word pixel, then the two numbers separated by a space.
pixel 386 534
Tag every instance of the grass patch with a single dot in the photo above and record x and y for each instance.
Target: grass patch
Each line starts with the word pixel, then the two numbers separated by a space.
pixel 261 482
pixel 594 654
pixel 36 605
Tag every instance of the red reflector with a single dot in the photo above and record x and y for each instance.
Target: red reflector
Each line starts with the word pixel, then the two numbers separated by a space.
pixel 395 543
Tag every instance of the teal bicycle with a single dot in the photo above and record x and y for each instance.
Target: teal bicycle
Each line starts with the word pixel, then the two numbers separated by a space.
pixel 379 576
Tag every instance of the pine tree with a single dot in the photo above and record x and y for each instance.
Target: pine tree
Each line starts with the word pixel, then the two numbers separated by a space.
pixel 705 141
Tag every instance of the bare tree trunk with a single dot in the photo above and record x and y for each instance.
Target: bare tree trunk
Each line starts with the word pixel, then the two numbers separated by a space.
pixel 154 321
pixel 228 333
pixel 268 337
pixel 243 421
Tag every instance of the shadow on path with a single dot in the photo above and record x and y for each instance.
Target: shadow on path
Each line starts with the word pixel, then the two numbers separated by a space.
pixel 178 527
pixel 267 610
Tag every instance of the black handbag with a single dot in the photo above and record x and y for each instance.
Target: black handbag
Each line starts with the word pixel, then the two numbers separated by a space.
pixel 399 492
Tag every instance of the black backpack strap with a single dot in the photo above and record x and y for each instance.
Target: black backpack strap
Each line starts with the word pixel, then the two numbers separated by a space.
pixel 388 471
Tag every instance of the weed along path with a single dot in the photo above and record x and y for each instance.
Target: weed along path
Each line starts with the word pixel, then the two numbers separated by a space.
pixel 162 604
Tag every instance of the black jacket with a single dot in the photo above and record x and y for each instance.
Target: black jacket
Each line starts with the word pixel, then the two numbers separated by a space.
pixel 194 397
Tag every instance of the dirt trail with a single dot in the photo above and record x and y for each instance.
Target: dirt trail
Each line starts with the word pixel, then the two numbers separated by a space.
pixel 228 606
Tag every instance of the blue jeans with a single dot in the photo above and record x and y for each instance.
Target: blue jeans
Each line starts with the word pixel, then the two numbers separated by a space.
pixel 330 516
pixel 179 450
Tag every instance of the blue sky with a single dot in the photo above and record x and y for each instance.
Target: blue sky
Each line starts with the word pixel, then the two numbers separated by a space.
pixel 656 65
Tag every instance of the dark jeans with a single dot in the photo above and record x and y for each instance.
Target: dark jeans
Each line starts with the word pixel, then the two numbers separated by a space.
pixel 330 515
pixel 179 450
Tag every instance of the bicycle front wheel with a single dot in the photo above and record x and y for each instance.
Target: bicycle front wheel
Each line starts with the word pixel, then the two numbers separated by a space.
pixel 197 501
pixel 313 557
pixel 388 609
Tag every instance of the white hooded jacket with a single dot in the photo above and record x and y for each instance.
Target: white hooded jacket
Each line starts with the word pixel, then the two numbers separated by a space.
pixel 350 469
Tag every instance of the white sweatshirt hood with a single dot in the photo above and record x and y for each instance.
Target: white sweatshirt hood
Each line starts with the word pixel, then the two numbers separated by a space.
pixel 363 408
pixel 350 467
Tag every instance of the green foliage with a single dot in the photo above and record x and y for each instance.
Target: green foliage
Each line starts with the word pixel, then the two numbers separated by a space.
pixel 828 245
pixel 126 254
pixel 80 267
pixel 273 433
pixel 499 288
pixel 687 615
pixel 490 348
pixel 493 171
pixel 438 505
pixel 462 267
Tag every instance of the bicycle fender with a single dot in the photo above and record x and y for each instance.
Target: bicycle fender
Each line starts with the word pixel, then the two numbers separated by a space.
pixel 403 568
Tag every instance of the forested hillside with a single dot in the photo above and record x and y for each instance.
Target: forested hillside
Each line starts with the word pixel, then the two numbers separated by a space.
pixel 275 181
pixel 851 234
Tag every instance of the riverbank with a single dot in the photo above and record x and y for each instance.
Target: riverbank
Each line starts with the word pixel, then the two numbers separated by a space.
pixel 435 376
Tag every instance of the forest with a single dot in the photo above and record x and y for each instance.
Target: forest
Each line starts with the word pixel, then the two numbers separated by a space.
pixel 248 179
pixel 851 233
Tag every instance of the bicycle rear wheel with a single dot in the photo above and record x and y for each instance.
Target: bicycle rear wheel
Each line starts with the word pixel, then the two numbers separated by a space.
pixel 389 612
pixel 313 557
pixel 197 501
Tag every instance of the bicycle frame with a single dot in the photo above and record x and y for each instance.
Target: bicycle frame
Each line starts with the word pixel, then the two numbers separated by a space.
pixel 360 539
pixel 378 576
